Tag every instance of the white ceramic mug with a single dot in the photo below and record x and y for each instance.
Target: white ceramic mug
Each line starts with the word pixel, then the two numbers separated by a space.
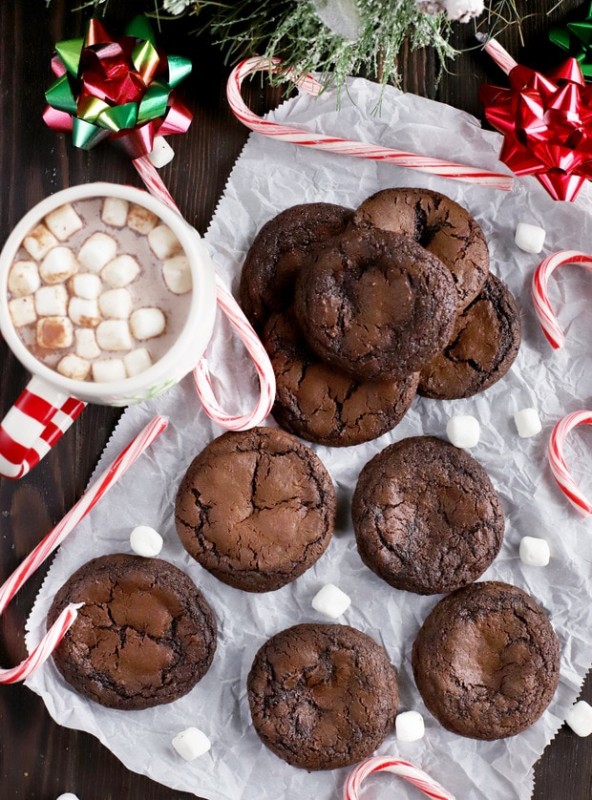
pixel 51 402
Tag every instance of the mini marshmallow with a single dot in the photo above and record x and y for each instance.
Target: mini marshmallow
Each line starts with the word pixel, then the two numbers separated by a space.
pixel 331 601
pixel 55 333
pixel 463 431
pixel 97 251
pixel 177 275
pixel 63 222
pixel 116 304
pixel 162 153
pixel 67 796
pixel 114 334
pixel 22 311
pixel 86 285
pixel 74 367
pixel 137 361
pixel 579 718
pixel 140 219
pixel 86 344
pixel 39 242
pixel 534 552
pixel 145 541
pixel 163 242
pixel 529 238
pixel 51 301
pixel 58 265
pixel 121 271
pixel 84 313
pixel 409 726
pixel 191 743
pixel 23 279
pixel 146 323
pixel 114 211
pixel 108 370
pixel 528 422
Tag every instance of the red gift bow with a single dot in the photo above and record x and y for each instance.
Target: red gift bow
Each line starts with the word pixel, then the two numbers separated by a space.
pixel 547 126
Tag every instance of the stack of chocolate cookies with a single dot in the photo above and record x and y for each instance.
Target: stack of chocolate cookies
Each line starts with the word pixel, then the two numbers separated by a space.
pixel 360 310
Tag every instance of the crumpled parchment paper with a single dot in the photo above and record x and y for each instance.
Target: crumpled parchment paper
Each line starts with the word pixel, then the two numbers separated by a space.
pixel 268 177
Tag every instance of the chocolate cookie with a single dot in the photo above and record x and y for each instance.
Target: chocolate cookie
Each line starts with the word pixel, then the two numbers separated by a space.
pixel 426 516
pixel 256 509
pixel 482 348
pixel 322 696
pixel 440 225
pixel 282 247
pixel 324 404
pixel 376 304
pixel 486 661
pixel 144 636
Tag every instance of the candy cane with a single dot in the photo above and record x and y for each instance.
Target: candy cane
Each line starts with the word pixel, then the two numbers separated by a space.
pixel 557 461
pixel 55 537
pixel 417 777
pixel 336 144
pixel 540 280
pixel 501 56
pixel 237 320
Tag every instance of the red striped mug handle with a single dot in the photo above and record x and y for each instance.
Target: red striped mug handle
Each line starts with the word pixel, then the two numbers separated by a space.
pixel 37 420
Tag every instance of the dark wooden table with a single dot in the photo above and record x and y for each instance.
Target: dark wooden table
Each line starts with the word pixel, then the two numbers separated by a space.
pixel 38 759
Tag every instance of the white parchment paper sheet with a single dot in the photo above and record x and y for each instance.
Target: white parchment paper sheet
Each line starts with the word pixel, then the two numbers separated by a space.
pixel 268 177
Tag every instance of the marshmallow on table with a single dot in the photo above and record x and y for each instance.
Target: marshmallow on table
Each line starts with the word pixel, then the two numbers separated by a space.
pixel 23 279
pixel 331 601
pixel 97 251
pixel 121 271
pixel 114 211
pixel 177 274
pixel 114 334
pixel 51 301
pixel 579 718
pixel 528 422
pixel 146 323
pixel 63 222
pixel 463 431
pixel 534 552
pixel 163 242
pixel 529 238
pixel 145 541
pixel 162 153
pixel 39 242
pixel 22 311
pixel 55 333
pixel 67 796
pixel 58 265
pixel 86 344
pixel 191 743
pixel 141 220
pixel 409 726
pixel 84 313
pixel 108 370
pixel 72 366
pixel 86 285
pixel 137 361
pixel 116 304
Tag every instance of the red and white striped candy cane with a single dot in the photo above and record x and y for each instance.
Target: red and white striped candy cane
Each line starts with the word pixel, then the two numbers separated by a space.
pixel 403 769
pixel 558 464
pixel 500 55
pixel 240 324
pixel 55 537
pixel 540 297
pixel 336 144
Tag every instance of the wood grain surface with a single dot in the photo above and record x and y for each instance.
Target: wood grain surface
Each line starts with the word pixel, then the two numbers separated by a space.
pixel 38 759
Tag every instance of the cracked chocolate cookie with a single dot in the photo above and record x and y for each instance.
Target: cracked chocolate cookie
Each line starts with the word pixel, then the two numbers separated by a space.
pixel 486 661
pixel 426 516
pixel 256 509
pixel 282 247
pixel 483 346
pixel 144 636
pixel 322 696
pixel 376 304
pixel 323 404
pixel 440 225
